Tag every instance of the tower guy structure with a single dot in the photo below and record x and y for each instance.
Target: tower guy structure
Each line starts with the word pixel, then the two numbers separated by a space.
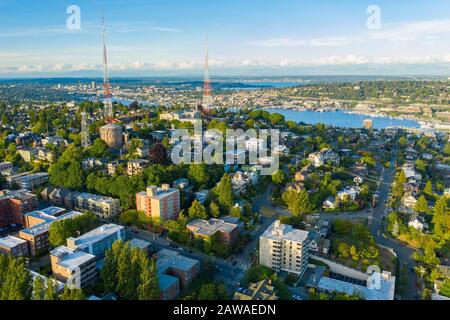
pixel 207 90
pixel 85 138
pixel 111 133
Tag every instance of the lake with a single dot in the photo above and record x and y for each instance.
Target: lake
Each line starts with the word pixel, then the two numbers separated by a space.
pixel 342 119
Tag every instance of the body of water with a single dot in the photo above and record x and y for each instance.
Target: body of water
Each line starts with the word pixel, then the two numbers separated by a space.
pixel 342 119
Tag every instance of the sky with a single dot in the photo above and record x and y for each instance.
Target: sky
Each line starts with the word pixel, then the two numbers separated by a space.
pixel 245 37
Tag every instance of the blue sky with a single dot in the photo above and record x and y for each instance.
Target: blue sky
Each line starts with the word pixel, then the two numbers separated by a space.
pixel 246 37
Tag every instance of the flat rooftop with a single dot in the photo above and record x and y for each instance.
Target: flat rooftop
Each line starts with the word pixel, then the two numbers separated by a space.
pixel 93 197
pixel 278 231
pixel 211 226
pixel 96 235
pixel 171 259
pixel 43 227
pixel 71 259
pixel 10 242
pixel 386 291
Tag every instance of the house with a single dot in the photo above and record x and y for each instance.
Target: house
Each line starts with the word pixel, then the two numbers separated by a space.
pixel 348 194
pixel 409 201
pixel 326 156
pixel 329 203
pixel 317 244
pixel 417 222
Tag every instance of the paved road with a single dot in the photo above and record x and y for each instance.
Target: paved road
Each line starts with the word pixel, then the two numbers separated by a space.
pixel 403 251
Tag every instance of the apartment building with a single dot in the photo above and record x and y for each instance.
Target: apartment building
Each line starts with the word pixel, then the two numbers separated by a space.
pixel 174 272
pixel 135 167
pixel 98 241
pixel 77 269
pixel 225 228
pixel 14 205
pixel 14 246
pixel 283 248
pixel 162 203
pixel 104 207
pixel 27 180
pixel 37 234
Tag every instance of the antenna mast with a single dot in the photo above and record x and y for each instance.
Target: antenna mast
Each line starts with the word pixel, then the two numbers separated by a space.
pixel 207 81
pixel 107 95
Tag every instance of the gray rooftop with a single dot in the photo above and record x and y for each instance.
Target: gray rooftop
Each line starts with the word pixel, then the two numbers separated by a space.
pixel 10 242
pixel 278 232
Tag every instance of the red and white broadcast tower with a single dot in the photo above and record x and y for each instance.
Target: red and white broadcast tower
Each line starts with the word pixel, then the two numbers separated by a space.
pixel 207 90
pixel 107 95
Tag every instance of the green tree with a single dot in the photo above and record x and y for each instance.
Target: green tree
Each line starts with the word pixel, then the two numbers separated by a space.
pixel 297 201
pixel 197 211
pixel 72 294
pixel 198 174
pixel 148 287
pixel 38 289
pixel 16 282
pixel 61 230
pixel 279 177
pixel 51 290
pixel 223 193
pixel 421 205
pixel 99 149
pixel 214 209
pixel 441 217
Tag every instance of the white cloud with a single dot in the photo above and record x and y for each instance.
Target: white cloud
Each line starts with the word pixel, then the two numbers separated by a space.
pixel 279 42
pixel 412 31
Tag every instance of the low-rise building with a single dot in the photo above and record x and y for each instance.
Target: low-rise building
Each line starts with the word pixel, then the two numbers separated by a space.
pixel 104 207
pixel 98 241
pixel 14 246
pixel 14 205
pixel 227 232
pixel 27 180
pixel 77 269
pixel 136 166
pixel 37 235
pixel 175 271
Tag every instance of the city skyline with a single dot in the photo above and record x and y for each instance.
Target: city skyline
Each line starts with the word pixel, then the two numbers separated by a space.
pixel 166 38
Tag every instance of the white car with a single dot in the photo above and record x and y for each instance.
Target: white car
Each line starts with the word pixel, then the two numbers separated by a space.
pixel 296 297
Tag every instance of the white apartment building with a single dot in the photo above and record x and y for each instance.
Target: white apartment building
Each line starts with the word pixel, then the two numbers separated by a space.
pixel 76 269
pixel 283 248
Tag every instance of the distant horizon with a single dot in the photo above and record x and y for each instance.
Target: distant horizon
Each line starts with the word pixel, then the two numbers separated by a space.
pixel 280 38
pixel 224 77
